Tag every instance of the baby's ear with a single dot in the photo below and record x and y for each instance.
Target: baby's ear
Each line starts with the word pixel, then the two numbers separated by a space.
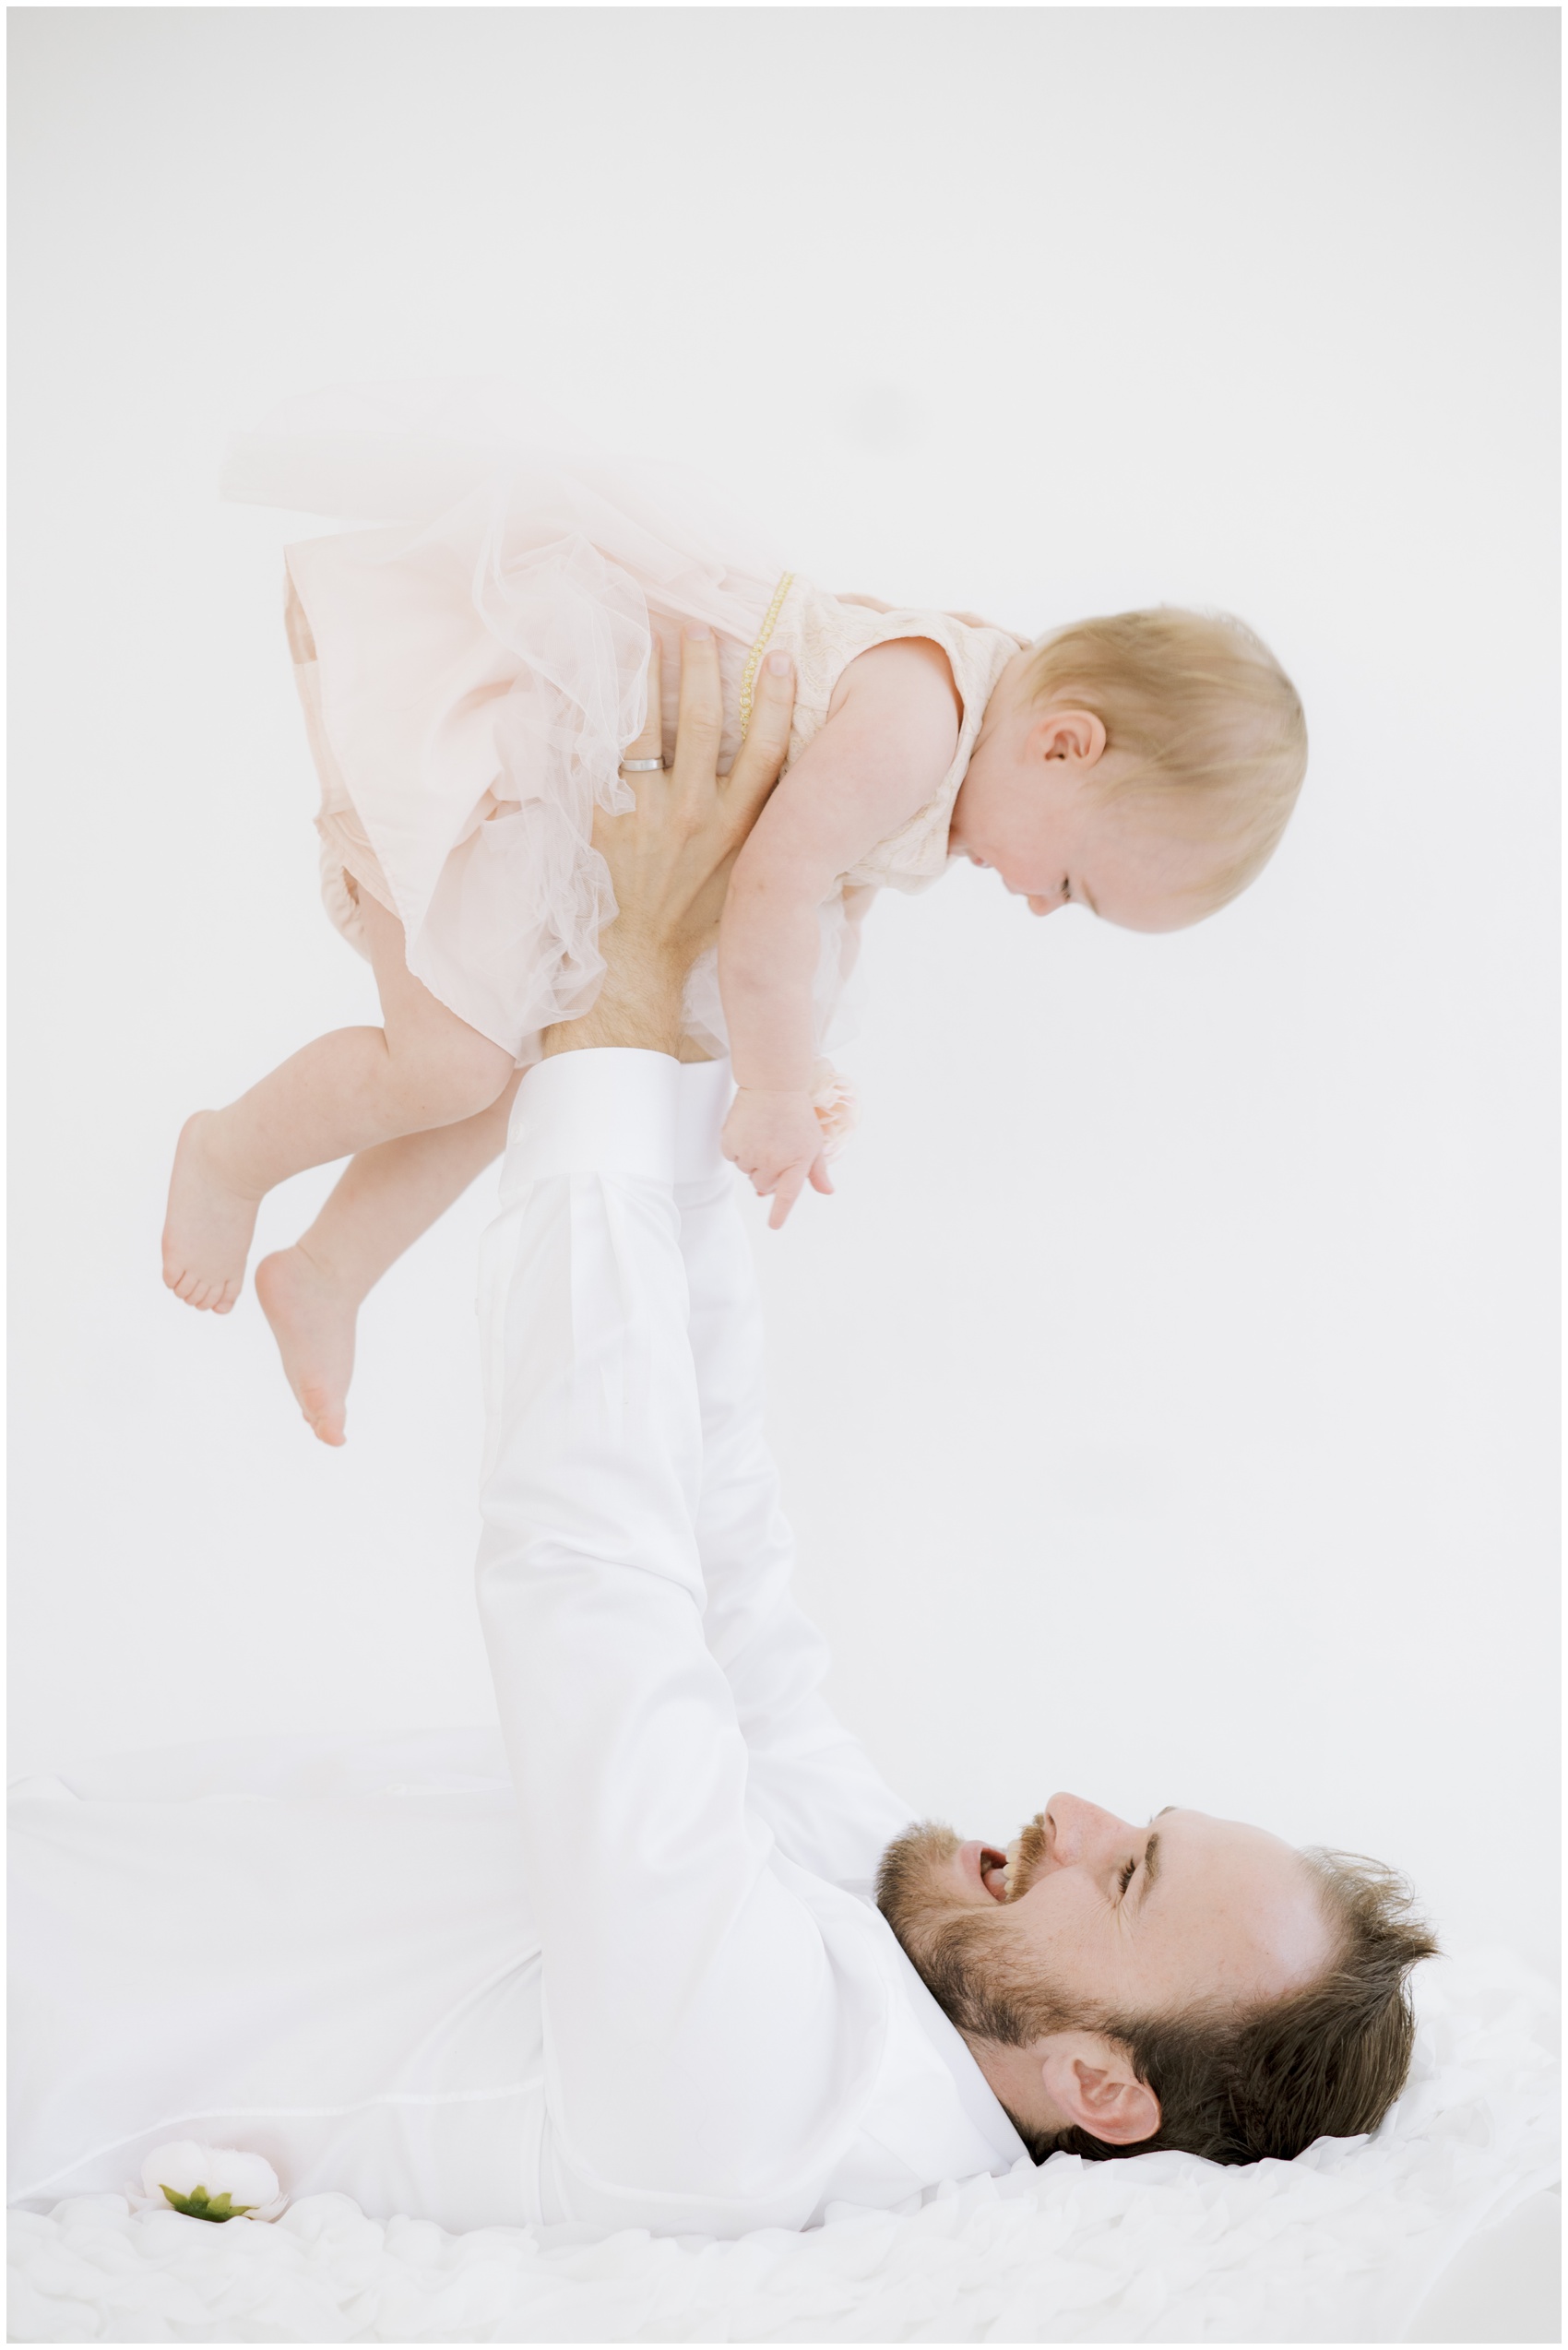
pixel 1077 737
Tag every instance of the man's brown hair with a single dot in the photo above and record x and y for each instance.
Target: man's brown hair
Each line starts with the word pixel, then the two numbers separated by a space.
pixel 1325 2062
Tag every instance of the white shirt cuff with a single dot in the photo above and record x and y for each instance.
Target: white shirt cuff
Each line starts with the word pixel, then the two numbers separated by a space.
pixel 613 1111
pixel 609 1110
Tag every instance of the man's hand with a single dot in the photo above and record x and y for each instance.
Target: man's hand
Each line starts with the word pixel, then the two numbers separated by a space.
pixel 670 857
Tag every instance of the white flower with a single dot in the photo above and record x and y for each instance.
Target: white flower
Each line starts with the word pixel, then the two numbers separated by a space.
pixel 209 2182
pixel 838 1111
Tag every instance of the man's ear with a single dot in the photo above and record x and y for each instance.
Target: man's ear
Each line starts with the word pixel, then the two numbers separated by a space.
pixel 1076 736
pixel 1091 2083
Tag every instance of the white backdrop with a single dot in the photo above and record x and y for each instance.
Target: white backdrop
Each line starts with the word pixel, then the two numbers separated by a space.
pixel 1167 1400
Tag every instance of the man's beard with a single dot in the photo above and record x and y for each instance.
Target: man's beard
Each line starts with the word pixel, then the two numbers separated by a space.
pixel 966 1954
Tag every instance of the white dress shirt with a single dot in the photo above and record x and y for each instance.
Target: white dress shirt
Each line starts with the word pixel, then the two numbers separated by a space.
pixel 645 1988
pixel 733 2037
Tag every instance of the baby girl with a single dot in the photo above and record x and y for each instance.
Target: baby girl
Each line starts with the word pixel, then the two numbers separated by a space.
pixel 475 674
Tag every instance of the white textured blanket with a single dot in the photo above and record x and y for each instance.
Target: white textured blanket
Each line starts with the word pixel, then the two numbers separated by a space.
pixel 1339 2245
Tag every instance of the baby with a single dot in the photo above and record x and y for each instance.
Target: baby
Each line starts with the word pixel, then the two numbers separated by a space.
pixel 474 678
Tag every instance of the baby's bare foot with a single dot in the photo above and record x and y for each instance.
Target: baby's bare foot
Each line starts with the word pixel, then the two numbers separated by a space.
pixel 206 1233
pixel 312 1321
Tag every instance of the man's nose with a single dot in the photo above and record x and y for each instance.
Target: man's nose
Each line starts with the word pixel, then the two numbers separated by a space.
pixel 1081 1831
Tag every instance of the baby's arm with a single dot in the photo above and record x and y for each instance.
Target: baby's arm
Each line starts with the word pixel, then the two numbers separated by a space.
pixel 890 736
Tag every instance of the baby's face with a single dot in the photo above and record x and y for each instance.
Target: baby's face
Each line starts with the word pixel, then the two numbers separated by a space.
pixel 1032 809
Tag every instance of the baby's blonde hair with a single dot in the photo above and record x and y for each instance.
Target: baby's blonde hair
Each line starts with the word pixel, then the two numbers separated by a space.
pixel 1210 727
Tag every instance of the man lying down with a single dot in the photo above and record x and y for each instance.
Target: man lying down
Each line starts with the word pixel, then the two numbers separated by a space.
pixel 732 1985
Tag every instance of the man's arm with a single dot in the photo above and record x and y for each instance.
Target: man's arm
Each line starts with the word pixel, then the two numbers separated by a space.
pixel 698 2021
pixel 810 1781
pixel 689 2007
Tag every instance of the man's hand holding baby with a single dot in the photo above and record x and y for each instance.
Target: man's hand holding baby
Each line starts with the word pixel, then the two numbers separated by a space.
pixel 670 856
pixel 670 860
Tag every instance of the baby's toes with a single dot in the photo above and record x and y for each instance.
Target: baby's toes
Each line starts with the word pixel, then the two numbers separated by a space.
pixel 323 1411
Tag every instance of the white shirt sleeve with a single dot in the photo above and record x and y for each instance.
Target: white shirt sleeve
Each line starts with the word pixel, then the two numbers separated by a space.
pixel 709 2039
pixel 813 1783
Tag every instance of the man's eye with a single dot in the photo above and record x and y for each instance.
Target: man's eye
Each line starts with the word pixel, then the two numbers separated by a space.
pixel 1129 1870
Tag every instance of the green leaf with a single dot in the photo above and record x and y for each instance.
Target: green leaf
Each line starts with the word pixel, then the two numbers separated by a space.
pixel 199 2204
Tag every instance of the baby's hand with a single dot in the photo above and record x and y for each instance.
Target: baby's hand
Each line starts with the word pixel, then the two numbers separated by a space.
pixel 777 1140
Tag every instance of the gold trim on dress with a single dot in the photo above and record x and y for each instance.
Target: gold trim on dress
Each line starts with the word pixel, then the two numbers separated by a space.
pixel 748 676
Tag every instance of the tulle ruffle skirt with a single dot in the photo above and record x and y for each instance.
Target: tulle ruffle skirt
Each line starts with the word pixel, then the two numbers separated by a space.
pixel 472 670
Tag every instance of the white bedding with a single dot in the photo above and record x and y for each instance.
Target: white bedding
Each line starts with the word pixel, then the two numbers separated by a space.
pixel 1340 2246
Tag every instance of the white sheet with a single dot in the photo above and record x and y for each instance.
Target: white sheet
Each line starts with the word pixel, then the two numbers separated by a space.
pixel 1339 2245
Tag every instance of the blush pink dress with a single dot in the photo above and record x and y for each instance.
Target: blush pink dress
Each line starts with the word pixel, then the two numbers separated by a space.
pixel 473 669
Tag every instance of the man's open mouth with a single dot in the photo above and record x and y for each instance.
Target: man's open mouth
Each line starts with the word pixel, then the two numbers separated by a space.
pixel 993 1872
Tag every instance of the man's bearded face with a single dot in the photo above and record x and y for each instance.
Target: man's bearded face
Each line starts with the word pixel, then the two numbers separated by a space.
pixel 1087 1921
pixel 970 1958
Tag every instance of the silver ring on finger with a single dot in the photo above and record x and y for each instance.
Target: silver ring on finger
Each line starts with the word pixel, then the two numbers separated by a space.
pixel 641 767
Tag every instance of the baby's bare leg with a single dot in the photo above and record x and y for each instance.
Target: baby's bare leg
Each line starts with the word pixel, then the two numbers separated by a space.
pixel 349 1091
pixel 312 1293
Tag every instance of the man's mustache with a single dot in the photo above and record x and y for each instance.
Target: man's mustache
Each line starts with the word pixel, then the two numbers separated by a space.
pixel 1023 1864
